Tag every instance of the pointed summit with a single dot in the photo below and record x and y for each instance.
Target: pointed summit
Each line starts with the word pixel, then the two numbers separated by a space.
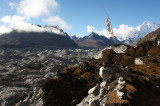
pixel 94 40
pixel 93 35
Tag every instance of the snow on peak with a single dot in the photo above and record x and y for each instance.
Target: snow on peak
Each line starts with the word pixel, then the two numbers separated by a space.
pixel 125 32
pixel 74 37
pixel 147 27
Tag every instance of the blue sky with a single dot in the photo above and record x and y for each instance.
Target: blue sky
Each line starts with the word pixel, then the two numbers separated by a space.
pixel 76 15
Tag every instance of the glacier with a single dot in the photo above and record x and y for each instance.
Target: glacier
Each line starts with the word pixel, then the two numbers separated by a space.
pixel 22 72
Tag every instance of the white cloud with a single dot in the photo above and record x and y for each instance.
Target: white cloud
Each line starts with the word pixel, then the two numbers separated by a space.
pixel 90 28
pixel 14 21
pixel 56 20
pixel 18 23
pixel 124 29
pixel 35 8
pixel 4 30
pixel 121 33
pixel 28 9
pixel 13 5
pixel 102 32
pixel 124 32
pixel 6 19
pixel 77 35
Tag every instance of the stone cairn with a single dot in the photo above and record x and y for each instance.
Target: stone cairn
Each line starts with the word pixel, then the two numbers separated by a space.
pixel 97 95
pixel 121 88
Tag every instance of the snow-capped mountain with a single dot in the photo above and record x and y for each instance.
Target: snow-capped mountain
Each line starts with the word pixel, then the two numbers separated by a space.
pixel 74 37
pixel 124 32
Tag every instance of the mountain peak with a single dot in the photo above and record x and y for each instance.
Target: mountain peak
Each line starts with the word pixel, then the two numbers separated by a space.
pixel 149 25
pixel 93 35
pixel 74 37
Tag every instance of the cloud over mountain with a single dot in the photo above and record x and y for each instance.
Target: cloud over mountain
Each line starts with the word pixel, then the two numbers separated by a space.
pixel 20 24
pixel 4 29
pixel 57 21
pixel 26 10
pixel 125 32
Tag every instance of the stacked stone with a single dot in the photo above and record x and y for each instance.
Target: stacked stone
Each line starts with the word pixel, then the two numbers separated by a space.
pixel 121 88
pixel 158 42
pixel 97 96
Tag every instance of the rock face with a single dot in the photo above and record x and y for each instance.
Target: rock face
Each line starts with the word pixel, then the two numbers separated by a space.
pixel 35 39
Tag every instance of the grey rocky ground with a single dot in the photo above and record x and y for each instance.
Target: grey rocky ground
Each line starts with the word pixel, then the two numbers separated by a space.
pixel 22 72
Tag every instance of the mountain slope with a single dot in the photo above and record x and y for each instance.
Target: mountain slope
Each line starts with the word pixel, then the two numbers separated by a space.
pixel 34 39
pixel 94 40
